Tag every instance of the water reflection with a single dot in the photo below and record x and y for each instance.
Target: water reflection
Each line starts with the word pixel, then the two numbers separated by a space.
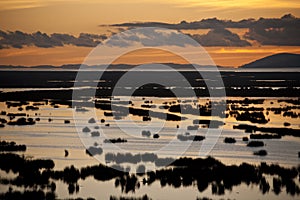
pixel 39 176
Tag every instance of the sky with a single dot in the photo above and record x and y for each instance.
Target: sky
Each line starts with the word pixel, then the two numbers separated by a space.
pixel 74 16
pixel 92 16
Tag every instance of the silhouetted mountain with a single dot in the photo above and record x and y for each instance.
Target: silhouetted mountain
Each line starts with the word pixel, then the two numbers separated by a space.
pixel 276 61
pixel 111 67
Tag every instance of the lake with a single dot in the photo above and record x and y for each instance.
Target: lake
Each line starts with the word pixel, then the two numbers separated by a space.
pixel 61 123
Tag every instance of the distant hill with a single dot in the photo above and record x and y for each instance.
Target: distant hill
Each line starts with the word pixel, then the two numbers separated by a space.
pixel 112 67
pixel 276 61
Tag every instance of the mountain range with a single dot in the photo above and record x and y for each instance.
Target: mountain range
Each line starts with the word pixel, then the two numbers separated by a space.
pixel 280 60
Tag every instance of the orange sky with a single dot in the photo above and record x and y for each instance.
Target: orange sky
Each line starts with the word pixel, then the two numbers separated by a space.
pixel 75 16
pixel 224 56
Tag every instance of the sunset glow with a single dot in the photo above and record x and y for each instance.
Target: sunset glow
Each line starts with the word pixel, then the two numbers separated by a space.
pixel 79 16
pixel 149 99
pixel 224 56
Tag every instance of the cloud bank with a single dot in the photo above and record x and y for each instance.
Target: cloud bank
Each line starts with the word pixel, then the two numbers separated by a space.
pixel 284 31
pixel 18 39
pixel 212 23
pixel 145 37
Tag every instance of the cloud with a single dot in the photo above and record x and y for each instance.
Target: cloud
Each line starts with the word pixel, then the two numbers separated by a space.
pixel 160 37
pixel 220 37
pixel 19 39
pixel 213 23
pixel 210 23
pixel 283 32
pixel 149 37
pixel 267 31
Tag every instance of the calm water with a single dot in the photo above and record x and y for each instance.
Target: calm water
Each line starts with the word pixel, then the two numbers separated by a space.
pixel 48 139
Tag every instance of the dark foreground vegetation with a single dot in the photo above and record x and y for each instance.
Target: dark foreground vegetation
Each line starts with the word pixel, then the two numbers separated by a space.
pixel 277 131
pixel 229 140
pixel 265 136
pixel 118 140
pixel 260 153
pixel 39 177
pixel 255 144
pixel 145 197
pixel 11 146
pixel 187 137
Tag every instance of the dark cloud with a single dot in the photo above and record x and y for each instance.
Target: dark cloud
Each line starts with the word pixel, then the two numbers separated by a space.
pixel 213 23
pixel 267 31
pixel 150 37
pixel 145 37
pixel 220 37
pixel 19 39
pixel 210 23
pixel 160 37
pixel 284 31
